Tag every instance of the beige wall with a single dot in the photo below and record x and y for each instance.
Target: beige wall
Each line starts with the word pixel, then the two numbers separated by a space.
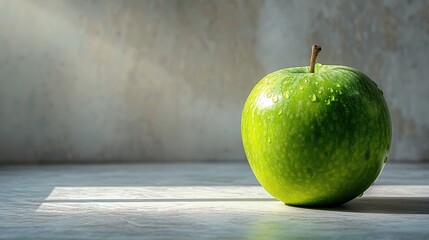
pixel 166 80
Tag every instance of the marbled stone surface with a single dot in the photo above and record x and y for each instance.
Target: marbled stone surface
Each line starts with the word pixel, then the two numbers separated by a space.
pixel 197 201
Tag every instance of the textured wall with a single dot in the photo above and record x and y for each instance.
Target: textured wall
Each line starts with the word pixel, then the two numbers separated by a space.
pixel 166 80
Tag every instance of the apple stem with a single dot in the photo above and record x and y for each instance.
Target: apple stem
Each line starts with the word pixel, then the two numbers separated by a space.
pixel 315 49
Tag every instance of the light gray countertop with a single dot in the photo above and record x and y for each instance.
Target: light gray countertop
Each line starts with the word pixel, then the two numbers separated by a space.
pixel 197 201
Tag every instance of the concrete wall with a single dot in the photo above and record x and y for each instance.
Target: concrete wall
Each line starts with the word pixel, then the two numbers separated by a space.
pixel 166 80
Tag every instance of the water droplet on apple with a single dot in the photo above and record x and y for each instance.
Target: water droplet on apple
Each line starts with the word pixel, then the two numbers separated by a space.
pixel 380 91
pixel 305 80
pixel 328 102
pixel 269 94
pixel 291 91
pixel 313 98
pixel 332 98
pixel 338 85
pixel 340 92
pixel 269 140
pixel 286 95
pixel 275 98
pixel 385 160
pixel 332 90
pixel 319 91
pixel 301 87
pixel 280 112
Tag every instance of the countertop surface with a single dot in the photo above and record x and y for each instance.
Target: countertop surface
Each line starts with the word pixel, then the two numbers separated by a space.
pixel 198 201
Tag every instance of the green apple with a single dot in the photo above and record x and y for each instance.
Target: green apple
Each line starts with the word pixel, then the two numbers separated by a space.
pixel 318 135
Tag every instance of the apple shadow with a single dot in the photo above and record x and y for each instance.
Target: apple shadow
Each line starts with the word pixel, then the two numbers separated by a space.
pixel 385 205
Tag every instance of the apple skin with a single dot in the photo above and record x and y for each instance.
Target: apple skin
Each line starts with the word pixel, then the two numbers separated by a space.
pixel 316 139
